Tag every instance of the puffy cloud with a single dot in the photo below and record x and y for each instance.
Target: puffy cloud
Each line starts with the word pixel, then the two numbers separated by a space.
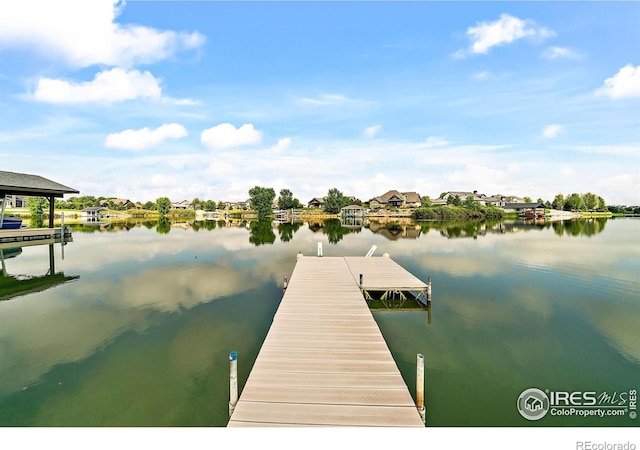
pixel 83 33
pixel 624 84
pixel 505 30
pixel 109 86
pixel 282 145
pixel 145 137
pixel 559 52
pixel 226 135
pixel 551 131
pixel 372 131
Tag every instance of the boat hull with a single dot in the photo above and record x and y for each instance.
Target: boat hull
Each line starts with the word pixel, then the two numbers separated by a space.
pixel 11 223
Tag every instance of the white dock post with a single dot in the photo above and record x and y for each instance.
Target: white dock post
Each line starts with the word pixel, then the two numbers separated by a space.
pixel 233 382
pixel 62 243
pixel 420 388
pixel 285 284
pixel 429 289
pixel 319 248
pixel 371 250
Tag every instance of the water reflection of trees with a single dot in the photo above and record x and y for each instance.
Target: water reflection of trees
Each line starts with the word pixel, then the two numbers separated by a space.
pixel 208 225
pixel 164 226
pixel 287 230
pixel 474 229
pixel 261 232
pixel 588 227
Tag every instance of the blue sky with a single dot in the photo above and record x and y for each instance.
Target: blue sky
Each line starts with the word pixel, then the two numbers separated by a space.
pixel 208 99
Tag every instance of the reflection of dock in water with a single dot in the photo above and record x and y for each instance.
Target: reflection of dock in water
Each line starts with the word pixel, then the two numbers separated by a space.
pixel 32 234
pixel 12 286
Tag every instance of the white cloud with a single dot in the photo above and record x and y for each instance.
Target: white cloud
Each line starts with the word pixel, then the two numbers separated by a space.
pixel 327 99
pixel 113 85
pixel 505 30
pixel 624 84
pixel 372 131
pixel 559 52
pixel 567 172
pixel 436 141
pixel 226 135
pixel 551 131
pixel 144 138
pixel 481 75
pixel 282 145
pixel 83 33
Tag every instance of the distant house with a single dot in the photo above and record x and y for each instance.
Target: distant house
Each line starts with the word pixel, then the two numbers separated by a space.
pixel 93 212
pixel 396 199
pixel 352 211
pixel 15 201
pixel 498 200
pixel 118 203
pixel 184 204
pixel 316 202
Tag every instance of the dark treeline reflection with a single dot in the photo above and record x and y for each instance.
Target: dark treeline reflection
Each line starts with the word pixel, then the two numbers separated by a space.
pixel 589 227
pixel 287 230
pixel 262 232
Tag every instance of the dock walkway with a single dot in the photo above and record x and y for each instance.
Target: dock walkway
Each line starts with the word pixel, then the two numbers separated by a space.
pixel 324 360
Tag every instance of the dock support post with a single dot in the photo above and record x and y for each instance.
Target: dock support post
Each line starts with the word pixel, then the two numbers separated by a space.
pixel 429 289
pixel 233 382
pixel 284 285
pixel 420 388
pixel 361 280
pixel 319 248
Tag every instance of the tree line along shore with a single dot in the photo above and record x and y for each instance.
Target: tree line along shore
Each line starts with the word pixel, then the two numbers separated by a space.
pixel 262 202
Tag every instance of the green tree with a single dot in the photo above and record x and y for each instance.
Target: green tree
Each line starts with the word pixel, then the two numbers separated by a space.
pixel 334 201
pixel 590 201
pixel 558 202
pixel 208 205
pixel 602 206
pixel 528 200
pixel 425 201
pixel 164 205
pixel 574 203
pixel 196 203
pixel 149 206
pixel 261 200
pixel 454 200
pixel 286 200
pixel 36 205
pixel 470 203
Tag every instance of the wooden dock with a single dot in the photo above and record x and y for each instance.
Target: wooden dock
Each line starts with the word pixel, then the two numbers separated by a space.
pixel 324 361
pixel 32 234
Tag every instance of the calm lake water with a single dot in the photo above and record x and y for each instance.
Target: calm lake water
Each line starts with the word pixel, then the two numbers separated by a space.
pixel 138 329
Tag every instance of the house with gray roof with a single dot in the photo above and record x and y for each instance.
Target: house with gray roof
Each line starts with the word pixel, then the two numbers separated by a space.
pixel 396 199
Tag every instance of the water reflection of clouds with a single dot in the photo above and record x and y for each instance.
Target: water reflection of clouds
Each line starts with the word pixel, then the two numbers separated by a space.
pixel 67 324
pixel 127 276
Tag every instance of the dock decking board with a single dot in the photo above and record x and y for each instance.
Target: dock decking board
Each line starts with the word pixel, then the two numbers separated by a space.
pixel 324 360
